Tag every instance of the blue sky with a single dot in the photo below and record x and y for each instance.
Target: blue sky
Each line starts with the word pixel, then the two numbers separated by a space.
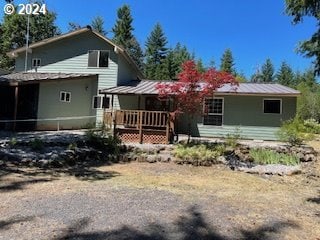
pixel 253 30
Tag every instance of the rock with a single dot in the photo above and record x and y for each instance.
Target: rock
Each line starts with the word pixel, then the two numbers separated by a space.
pixel 152 158
pixel 309 158
pixel 164 157
pixel 301 156
pixel 272 169
pixel 221 160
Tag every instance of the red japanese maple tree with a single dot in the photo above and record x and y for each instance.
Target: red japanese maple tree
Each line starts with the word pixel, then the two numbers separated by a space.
pixel 192 88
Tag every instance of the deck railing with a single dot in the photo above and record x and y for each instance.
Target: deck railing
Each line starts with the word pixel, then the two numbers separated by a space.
pixel 140 120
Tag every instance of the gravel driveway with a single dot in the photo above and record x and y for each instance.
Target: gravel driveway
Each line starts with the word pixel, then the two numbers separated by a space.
pixel 157 201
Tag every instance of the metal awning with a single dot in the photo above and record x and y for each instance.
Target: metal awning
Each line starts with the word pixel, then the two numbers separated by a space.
pixel 148 87
pixel 32 77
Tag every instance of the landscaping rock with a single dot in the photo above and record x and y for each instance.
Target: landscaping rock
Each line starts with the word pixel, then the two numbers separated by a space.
pixel 272 169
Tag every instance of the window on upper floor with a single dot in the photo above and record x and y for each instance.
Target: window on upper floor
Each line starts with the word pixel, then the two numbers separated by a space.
pixel 98 58
pixel 36 62
pixel 272 106
pixel 100 102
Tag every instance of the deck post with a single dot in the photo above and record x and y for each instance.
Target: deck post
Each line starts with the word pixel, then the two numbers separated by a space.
pixel 168 128
pixel 140 127
pixel 115 124
pixel 15 113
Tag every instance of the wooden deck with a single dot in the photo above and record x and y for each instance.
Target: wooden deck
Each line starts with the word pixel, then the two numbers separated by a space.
pixel 139 126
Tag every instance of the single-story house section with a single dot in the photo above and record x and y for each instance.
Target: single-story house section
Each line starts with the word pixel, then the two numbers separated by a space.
pixel 253 110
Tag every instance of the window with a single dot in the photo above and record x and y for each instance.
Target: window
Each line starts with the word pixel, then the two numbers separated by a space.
pixel 98 58
pixel 213 111
pixel 36 62
pixel 65 96
pixel 272 106
pixel 100 102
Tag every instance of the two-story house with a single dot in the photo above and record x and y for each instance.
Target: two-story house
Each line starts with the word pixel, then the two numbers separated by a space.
pixel 71 80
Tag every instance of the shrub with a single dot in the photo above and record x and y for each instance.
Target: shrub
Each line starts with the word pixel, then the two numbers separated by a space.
pixel 102 139
pixel 312 126
pixel 263 156
pixel 13 141
pixel 295 132
pixel 232 139
pixel 36 144
pixel 199 154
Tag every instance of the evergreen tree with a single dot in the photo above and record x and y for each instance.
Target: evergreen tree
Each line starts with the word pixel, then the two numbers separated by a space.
pixel 97 25
pixel 174 60
pixel 73 26
pixel 136 53
pixel 156 52
pixel 298 10
pixel 123 28
pixel 200 66
pixel 227 62
pixel 241 78
pixel 285 75
pixel 13 33
pixel 267 71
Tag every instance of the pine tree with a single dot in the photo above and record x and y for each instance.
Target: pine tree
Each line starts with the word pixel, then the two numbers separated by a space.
pixel 200 66
pixel 227 62
pixel 136 53
pixel 267 71
pixel 285 75
pixel 73 26
pixel 97 25
pixel 156 52
pixel 123 28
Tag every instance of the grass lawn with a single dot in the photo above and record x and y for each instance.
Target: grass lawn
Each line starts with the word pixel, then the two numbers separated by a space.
pixel 158 201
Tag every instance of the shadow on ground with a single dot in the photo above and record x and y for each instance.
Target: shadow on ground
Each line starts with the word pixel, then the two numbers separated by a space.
pixel 314 199
pixel 190 227
pixel 5 225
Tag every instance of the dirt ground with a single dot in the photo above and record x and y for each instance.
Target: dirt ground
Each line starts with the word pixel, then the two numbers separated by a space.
pixel 158 201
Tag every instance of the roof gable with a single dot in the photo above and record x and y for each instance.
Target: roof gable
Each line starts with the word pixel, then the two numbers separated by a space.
pixel 117 49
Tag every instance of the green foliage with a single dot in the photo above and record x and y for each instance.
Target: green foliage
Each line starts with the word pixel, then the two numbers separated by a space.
pixel 13 33
pixel 156 52
pixel 312 126
pixel 232 139
pixel 227 62
pixel 13 142
pixel 267 71
pixel 103 140
pixel 263 156
pixel 298 9
pixel 123 28
pixel 285 75
pixel 37 144
pixel 73 26
pixel 294 132
pixel 72 146
pixel 195 152
pixel 308 105
pixel 97 25
pixel 135 51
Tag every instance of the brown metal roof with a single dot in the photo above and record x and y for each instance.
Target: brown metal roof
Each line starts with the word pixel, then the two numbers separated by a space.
pixel 30 77
pixel 148 87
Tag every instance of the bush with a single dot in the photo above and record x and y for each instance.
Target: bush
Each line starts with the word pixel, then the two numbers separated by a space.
pixel 294 132
pixel 102 139
pixel 263 156
pixel 232 139
pixel 36 144
pixel 201 154
pixel 312 126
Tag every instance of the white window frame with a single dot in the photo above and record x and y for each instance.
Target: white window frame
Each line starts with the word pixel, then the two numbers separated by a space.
pixel 98 58
pixel 35 60
pixel 220 114
pixel 65 98
pixel 278 99
pixel 101 102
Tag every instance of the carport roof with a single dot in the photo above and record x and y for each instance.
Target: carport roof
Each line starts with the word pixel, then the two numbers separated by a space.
pixel 148 87
pixel 31 77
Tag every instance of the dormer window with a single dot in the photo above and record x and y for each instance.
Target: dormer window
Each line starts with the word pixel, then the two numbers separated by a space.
pixel 98 58
pixel 36 62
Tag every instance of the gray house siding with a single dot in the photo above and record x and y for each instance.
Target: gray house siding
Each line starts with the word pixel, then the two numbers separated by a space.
pixel 50 106
pixel 71 56
pixel 244 115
